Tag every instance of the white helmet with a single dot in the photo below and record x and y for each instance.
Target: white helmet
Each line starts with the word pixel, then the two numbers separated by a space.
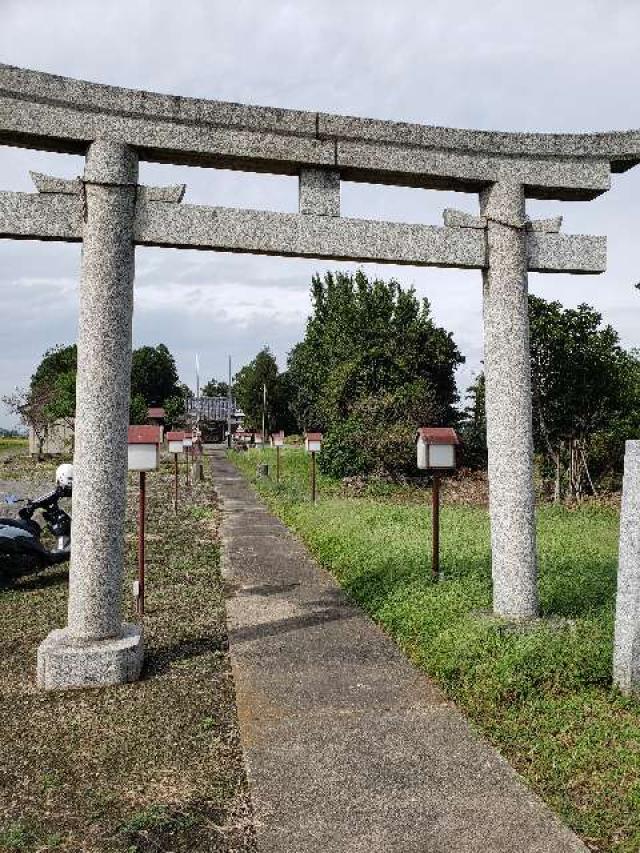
pixel 64 476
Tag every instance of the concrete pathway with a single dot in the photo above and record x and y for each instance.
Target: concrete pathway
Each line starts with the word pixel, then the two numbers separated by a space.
pixel 348 747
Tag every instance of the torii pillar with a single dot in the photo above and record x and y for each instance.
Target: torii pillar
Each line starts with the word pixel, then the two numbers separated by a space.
pixel 507 362
pixel 96 647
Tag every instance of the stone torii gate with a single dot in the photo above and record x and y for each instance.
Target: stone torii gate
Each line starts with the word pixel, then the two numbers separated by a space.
pixel 110 213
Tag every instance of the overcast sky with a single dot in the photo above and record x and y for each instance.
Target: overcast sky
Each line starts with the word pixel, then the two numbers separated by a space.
pixel 512 65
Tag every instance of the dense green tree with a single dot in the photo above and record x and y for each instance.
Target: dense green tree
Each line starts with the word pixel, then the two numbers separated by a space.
pixel 214 388
pixel 580 385
pixel 138 409
pixel 585 396
pixel 153 374
pixel 372 367
pixel 473 426
pixel 249 387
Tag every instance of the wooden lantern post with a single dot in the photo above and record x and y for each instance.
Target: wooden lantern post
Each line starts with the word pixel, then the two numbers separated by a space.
pixel 313 445
pixel 187 442
pixel 277 440
pixel 175 441
pixel 143 456
pixel 436 452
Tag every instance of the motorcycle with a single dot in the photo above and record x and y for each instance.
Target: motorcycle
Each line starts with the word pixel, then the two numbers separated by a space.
pixel 21 551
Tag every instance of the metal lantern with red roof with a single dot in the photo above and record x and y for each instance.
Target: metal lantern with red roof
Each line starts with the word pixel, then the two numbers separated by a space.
pixel 143 455
pixel 175 441
pixel 436 452
pixel 313 442
pixel 143 445
pixel 437 448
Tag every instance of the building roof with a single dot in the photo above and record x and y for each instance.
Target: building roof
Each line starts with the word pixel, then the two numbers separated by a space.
pixel 145 434
pixel 175 436
pixel 313 436
pixel 438 435
pixel 156 412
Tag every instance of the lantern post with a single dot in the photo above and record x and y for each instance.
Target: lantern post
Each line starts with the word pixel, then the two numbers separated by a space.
pixel 175 441
pixel 436 452
pixel 313 445
pixel 143 455
pixel 277 440
pixel 187 442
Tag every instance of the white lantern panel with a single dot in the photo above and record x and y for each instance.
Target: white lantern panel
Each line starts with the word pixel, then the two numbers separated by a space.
pixel 422 454
pixel 187 442
pixel 442 456
pixel 143 457
pixel 313 446
pixel 175 447
pixel 278 441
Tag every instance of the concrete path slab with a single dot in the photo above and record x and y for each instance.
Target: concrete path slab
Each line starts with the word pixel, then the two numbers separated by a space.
pixel 349 748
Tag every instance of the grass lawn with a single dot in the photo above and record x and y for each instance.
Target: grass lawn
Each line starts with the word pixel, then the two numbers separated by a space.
pixel 544 696
pixel 152 766
pixel 13 443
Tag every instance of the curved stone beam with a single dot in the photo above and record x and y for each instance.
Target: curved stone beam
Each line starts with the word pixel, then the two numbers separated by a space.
pixel 60 114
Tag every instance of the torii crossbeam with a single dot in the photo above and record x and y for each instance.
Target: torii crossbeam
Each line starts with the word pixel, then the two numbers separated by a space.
pixel 111 213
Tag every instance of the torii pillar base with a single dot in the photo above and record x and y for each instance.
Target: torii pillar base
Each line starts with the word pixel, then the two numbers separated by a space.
pixel 65 662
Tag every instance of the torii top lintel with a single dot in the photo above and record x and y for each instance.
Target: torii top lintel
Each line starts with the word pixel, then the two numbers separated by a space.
pixel 55 113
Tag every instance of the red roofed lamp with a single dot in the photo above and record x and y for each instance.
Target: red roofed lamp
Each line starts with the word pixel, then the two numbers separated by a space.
pixel 175 441
pixel 313 445
pixel 436 452
pixel 277 441
pixel 143 456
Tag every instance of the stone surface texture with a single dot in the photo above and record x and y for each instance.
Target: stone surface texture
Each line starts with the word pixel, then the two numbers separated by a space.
pixel 508 403
pixel 110 213
pixel 349 748
pixel 626 654
pixel 319 192
pixel 65 663
pixel 102 407
pixel 64 114
pixel 102 416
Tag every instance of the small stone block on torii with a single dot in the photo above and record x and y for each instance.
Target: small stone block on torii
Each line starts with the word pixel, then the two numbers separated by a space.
pixel 437 448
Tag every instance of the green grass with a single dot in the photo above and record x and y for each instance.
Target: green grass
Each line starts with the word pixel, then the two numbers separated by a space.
pixel 12 443
pixel 544 696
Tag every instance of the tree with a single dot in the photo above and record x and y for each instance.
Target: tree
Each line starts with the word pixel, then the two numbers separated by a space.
pixel 214 388
pixel 138 410
pixel 32 409
pixel 54 380
pixel 585 395
pixel 579 379
pixel 51 395
pixel 372 367
pixel 154 375
pixel 473 426
pixel 249 386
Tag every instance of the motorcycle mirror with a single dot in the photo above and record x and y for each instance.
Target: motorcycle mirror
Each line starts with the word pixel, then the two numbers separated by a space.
pixel 12 499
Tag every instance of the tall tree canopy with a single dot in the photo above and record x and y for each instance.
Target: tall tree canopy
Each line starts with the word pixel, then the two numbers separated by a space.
pixel 154 375
pixel 580 381
pixel 585 393
pixel 372 366
pixel 215 388
pixel 249 384
pixel 52 390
